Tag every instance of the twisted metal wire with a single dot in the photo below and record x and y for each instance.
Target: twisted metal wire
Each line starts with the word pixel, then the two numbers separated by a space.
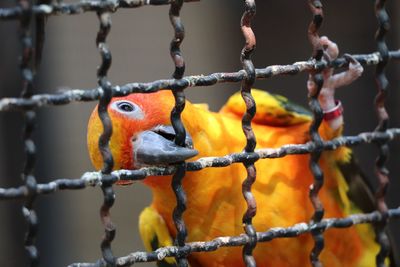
pixel 247 83
pixel 180 132
pixel 59 7
pixel 106 177
pixel 30 120
pixel 242 240
pixel 381 171
pixel 104 139
pixel 97 179
pixel 85 95
pixel 317 78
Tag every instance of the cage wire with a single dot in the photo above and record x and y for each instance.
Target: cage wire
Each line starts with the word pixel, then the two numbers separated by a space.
pixel 26 11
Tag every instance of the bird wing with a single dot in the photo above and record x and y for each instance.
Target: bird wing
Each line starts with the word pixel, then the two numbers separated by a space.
pixel 360 194
pixel 272 109
pixel 155 234
pixel 359 187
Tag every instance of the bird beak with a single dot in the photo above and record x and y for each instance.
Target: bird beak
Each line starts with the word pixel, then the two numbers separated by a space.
pixel 157 147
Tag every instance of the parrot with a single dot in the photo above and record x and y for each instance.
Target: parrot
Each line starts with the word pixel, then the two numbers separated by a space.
pixel 143 136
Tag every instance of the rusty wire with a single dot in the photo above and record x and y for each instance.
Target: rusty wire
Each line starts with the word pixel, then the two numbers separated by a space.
pixel 104 139
pixel 317 79
pixel 28 102
pixel 59 7
pixel 96 178
pixel 179 95
pixel 28 177
pixel 84 95
pixel 247 83
pixel 381 171
pixel 231 241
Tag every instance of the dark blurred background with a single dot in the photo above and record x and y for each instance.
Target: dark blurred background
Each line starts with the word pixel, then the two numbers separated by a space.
pixel 70 229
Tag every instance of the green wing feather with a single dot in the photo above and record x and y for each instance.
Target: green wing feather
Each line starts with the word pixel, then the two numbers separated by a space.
pixel 360 194
pixel 155 234
pixel 272 109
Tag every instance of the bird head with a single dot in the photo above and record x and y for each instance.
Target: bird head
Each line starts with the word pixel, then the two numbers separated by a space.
pixel 142 132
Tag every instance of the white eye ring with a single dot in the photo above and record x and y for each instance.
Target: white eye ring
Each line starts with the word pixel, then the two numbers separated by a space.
pixel 128 108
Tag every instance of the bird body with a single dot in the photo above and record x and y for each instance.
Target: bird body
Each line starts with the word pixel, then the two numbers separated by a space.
pixel 215 205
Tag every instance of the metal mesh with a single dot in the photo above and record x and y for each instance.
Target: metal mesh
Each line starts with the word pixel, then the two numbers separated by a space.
pixel 25 11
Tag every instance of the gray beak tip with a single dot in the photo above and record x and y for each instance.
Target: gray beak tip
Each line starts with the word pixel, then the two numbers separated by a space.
pixel 156 147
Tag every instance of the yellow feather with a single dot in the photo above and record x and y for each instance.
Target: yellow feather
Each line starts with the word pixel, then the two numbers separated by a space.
pixel 154 232
pixel 215 204
pixel 271 109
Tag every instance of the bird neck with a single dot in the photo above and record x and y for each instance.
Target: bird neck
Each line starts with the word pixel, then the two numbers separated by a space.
pixel 163 196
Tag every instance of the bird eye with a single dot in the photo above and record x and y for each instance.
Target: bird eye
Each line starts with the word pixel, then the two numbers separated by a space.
pixel 125 106
pixel 128 108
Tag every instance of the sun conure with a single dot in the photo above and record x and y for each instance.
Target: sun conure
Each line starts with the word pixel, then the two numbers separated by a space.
pixel 215 205
pixel 142 135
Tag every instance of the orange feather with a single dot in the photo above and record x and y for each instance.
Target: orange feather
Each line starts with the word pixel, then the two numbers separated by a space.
pixel 215 204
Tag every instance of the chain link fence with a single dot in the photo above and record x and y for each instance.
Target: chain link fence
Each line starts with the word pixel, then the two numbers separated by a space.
pixel 32 18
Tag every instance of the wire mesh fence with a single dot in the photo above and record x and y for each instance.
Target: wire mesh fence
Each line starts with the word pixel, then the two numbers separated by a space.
pixel 29 102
